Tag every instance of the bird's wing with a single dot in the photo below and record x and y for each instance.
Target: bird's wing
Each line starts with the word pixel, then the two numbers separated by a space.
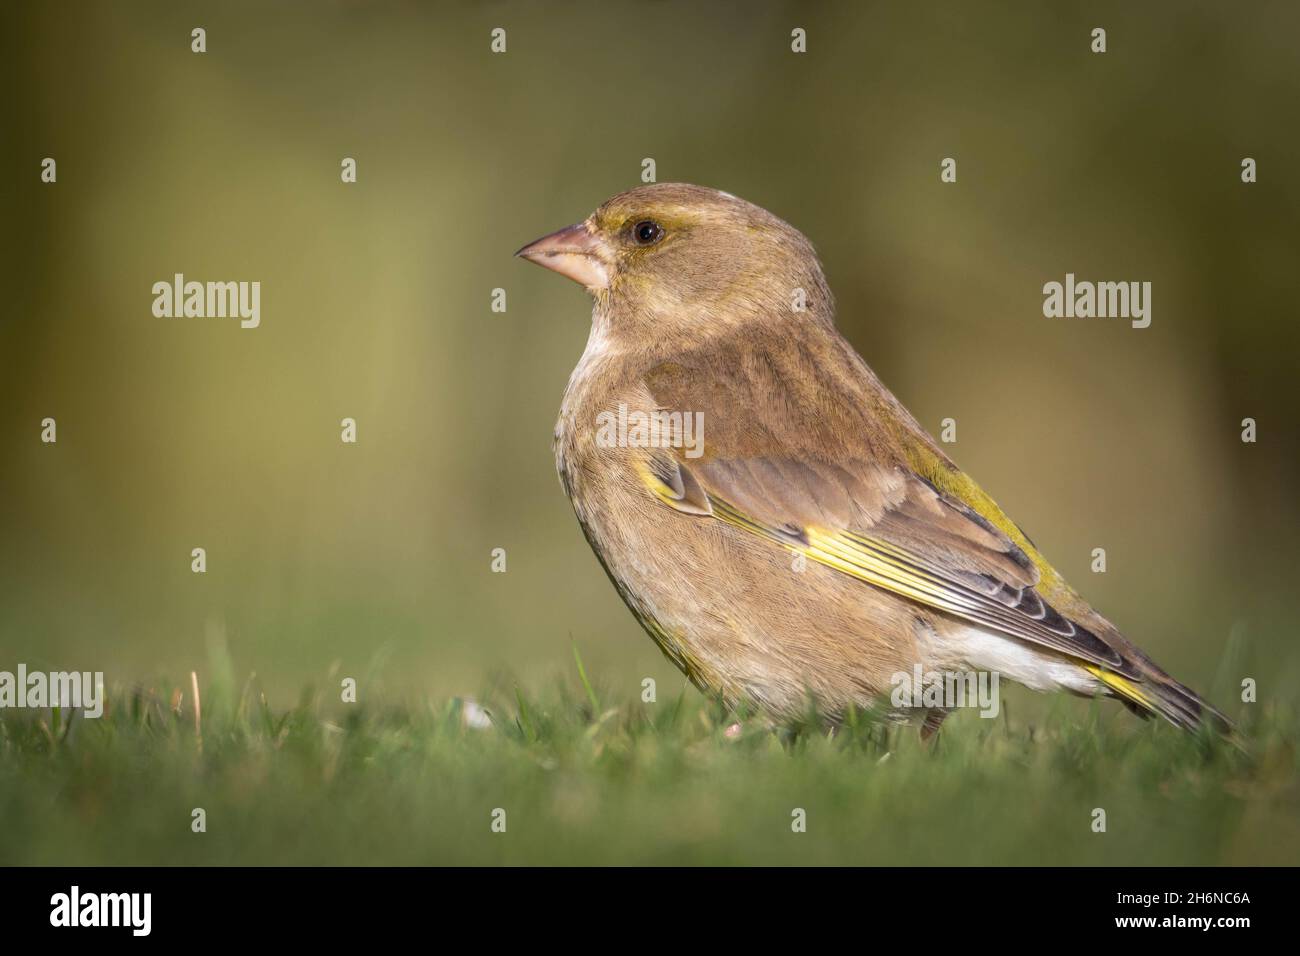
pixel 891 529
pixel 837 489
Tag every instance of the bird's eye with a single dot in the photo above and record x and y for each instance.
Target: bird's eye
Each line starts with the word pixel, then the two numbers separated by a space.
pixel 647 232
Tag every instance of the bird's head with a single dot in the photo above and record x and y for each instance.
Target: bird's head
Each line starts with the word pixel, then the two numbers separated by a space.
pixel 670 255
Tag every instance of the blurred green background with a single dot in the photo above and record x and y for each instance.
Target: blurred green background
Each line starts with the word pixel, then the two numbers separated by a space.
pixel 183 433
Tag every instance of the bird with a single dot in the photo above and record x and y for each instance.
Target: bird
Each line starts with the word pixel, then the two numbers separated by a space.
pixel 774 517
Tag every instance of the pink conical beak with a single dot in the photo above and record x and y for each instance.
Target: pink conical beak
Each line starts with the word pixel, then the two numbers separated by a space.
pixel 575 253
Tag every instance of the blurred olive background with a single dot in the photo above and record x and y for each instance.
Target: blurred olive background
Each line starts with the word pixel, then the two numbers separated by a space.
pixel 183 433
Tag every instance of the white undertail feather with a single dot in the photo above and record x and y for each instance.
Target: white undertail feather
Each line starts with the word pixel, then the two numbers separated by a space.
pixel 1019 661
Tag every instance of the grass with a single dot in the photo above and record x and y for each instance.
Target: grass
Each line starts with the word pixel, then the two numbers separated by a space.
pixel 585 779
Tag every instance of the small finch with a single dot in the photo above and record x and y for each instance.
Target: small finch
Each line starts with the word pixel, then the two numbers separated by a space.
pixel 774 517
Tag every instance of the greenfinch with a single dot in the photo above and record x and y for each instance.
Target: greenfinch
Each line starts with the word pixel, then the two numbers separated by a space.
pixel 774 517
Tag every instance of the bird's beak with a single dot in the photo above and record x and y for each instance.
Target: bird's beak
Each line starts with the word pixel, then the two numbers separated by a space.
pixel 575 253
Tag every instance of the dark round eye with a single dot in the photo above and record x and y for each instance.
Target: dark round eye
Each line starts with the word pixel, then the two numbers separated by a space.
pixel 647 232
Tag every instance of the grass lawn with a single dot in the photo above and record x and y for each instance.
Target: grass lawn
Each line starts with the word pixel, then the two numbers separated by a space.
pixel 583 779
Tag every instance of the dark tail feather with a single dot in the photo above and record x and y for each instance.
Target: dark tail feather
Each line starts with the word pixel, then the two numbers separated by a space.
pixel 1163 695
pixel 1184 708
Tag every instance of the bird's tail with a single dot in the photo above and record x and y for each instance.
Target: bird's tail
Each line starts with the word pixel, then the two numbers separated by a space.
pixel 1163 695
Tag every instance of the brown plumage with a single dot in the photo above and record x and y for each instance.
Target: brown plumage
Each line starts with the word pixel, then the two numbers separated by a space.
pixel 818 541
